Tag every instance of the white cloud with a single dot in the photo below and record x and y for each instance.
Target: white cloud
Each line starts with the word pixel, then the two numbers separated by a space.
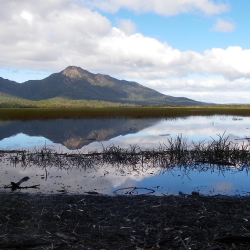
pixel 27 16
pixel 232 63
pixel 58 35
pixel 137 56
pixel 205 89
pixel 126 26
pixel 223 26
pixel 213 96
pixel 206 84
pixel 51 36
pixel 161 7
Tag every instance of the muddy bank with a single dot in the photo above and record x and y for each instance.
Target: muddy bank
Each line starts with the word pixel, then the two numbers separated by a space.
pixel 123 222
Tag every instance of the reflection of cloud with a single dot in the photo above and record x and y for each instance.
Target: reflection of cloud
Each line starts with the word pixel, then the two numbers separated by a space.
pixel 204 126
pixel 105 179
pixel 21 140
pixel 101 179
pixel 195 129
pixel 222 186
pixel 127 182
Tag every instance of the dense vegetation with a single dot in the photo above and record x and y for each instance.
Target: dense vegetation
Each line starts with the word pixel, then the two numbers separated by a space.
pixel 15 102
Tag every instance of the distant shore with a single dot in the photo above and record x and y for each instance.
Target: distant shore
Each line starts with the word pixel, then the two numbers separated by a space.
pixel 129 112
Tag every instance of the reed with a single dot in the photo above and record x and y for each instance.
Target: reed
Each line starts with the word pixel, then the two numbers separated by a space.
pixel 177 152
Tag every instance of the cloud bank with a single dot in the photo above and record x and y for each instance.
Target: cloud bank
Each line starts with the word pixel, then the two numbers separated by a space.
pixel 64 33
pixel 160 7
pixel 51 35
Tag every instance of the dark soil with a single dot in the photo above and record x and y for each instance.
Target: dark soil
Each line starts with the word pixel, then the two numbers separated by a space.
pixel 123 222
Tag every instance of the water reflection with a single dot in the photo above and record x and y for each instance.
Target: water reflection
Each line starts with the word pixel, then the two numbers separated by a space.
pixel 73 134
pixel 83 136
pixel 106 179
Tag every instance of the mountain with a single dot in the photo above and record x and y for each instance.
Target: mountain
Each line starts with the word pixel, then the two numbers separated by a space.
pixel 75 83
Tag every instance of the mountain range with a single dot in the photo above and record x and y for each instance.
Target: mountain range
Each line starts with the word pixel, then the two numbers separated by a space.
pixel 75 83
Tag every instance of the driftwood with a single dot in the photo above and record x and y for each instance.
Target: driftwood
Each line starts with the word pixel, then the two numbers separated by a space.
pixel 133 190
pixel 16 185
pixel 14 188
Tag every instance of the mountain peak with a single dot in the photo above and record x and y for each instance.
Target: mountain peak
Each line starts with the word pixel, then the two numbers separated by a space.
pixel 75 72
pixel 75 83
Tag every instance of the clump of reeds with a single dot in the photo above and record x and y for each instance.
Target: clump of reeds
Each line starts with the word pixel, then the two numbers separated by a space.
pixel 176 152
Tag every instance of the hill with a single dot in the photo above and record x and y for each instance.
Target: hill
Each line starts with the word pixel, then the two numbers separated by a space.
pixel 74 83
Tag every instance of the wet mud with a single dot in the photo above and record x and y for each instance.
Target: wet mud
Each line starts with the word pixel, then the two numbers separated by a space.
pixel 63 221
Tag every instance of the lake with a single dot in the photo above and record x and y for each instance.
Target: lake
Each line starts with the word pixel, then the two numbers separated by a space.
pixel 83 136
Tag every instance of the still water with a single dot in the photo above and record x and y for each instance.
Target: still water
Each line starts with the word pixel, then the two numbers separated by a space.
pixel 89 135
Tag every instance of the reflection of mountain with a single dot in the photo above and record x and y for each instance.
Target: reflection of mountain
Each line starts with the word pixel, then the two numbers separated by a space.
pixel 74 134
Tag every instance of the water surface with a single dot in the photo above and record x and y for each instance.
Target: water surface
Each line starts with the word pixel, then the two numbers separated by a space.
pixel 88 135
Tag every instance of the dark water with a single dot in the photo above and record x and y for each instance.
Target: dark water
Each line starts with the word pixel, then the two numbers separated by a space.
pixel 75 136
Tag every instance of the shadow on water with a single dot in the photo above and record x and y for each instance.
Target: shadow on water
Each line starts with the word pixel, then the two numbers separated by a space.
pixel 220 155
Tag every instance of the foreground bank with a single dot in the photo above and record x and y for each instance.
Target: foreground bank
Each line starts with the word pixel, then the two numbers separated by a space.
pixel 122 222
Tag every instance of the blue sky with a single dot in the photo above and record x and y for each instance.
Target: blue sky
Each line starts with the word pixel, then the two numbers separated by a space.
pixel 198 49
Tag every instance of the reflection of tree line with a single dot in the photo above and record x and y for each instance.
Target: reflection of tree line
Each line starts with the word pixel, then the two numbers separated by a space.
pixel 221 153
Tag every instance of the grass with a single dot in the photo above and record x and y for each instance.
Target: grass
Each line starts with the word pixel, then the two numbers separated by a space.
pixel 129 112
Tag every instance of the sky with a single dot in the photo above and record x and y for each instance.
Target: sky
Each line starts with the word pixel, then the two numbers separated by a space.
pixel 199 49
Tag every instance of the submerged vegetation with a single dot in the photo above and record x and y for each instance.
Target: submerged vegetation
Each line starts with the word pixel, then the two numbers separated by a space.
pixel 177 152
